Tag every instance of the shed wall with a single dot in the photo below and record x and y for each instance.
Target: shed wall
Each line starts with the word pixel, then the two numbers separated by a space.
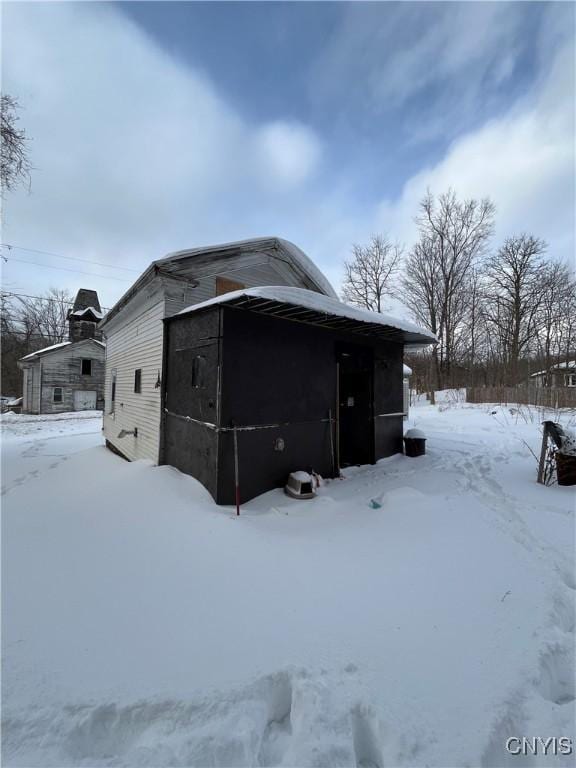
pixel 276 381
pixel 388 399
pixel 137 344
pixel 191 415
pixel 277 373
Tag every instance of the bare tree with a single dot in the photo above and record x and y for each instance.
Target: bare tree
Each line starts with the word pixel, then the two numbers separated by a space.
pixel 46 316
pixel 14 163
pixel 514 278
pixel 28 324
pixel 370 274
pixel 556 287
pixel 453 237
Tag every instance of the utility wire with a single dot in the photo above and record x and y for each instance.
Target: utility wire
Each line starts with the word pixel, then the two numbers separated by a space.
pixel 64 269
pixel 46 336
pixel 42 298
pixel 10 246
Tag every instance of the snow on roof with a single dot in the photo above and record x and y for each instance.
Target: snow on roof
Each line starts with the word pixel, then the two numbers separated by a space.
pixel 308 265
pixel 46 349
pixel 298 257
pixel 80 312
pixel 407 370
pixel 269 245
pixel 300 297
pixel 58 346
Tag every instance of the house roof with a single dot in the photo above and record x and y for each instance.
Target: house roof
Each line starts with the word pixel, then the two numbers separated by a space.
pixel 558 366
pixel 85 299
pixel 305 306
pixel 277 247
pixel 54 347
pixel 97 313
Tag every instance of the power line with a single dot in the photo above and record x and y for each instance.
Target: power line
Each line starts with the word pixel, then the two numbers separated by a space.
pixel 64 269
pixel 42 298
pixel 37 324
pixel 45 337
pixel 10 246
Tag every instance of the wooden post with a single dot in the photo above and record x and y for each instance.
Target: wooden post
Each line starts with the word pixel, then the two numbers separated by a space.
pixel 338 418
pixel 332 443
pixel 236 472
pixel 543 452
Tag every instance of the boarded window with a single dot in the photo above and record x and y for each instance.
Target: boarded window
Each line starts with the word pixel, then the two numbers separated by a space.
pixel 224 285
pixel 198 372
pixel 113 391
pixel 57 395
pixel 138 380
pixel 86 367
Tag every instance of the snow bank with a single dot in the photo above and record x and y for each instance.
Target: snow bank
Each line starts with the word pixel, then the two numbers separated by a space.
pixel 143 625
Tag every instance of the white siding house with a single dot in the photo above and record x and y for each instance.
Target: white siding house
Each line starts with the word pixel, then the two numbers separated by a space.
pixel 64 377
pixel 68 376
pixel 134 331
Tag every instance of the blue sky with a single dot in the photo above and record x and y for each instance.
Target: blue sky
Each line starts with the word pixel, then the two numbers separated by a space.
pixel 327 65
pixel 160 126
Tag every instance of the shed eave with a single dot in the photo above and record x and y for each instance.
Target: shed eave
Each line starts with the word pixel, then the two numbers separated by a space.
pixel 297 313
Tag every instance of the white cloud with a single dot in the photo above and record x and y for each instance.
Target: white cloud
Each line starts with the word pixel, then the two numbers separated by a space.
pixel 289 150
pixel 431 68
pixel 134 155
pixel 524 161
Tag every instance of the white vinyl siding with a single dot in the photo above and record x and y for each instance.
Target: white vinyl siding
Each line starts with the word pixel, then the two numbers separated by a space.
pixel 250 270
pixel 137 344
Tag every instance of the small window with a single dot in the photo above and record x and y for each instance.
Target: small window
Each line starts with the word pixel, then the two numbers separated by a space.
pixel 57 395
pixel 570 379
pixel 86 367
pixel 113 391
pixel 198 371
pixel 138 380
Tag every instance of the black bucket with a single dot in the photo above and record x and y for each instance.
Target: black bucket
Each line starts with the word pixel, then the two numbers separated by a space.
pixel 565 469
pixel 415 446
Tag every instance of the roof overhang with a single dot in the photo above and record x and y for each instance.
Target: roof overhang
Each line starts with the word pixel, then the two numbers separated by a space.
pixel 177 266
pixel 330 313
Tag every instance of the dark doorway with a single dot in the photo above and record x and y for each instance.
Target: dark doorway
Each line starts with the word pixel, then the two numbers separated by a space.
pixel 355 377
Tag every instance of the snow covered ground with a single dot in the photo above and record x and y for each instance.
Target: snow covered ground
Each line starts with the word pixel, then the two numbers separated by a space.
pixel 417 613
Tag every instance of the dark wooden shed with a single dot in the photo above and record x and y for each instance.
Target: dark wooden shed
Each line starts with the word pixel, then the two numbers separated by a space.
pixel 306 381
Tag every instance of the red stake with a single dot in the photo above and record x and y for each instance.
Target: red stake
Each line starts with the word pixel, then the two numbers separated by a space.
pixel 236 473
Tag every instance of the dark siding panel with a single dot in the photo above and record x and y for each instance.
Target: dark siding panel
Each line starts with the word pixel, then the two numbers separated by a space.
pixel 191 447
pixel 275 371
pixel 272 372
pixel 261 468
pixel 388 398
